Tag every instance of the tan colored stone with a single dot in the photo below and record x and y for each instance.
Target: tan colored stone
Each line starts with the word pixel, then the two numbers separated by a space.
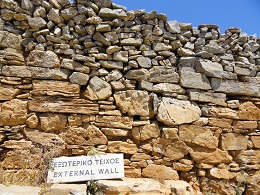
pixel 115 132
pixel 170 133
pixel 89 136
pixel 52 122
pixel 176 150
pixel 140 157
pixel 2 137
pixel 245 124
pixel 221 173
pixel 210 156
pixel 133 102
pixel 23 178
pixel 63 105
pixel 97 89
pixel 201 136
pixel 160 172
pixel 215 98
pixel 248 158
pixel 55 88
pixel 146 132
pixel 74 120
pixel 21 159
pixel 220 122
pixel 8 92
pixel 123 147
pixel 183 165
pixel 256 141
pixel 13 112
pixel 223 113
pixel 175 112
pixel 32 121
pixel 47 140
pixel 17 144
pixel 132 172
pixel 252 182
pixel 249 111
pixel 233 141
pixel 114 122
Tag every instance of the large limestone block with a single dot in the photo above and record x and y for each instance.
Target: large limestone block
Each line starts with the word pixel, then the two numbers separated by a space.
pixel 194 80
pixel 51 122
pixel 249 111
pixel 8 92
pixel 63 105
pixel 201 136
pixel 168 88
pixel 146 132
pixel 112 13
pixel 233 141
pixel 256 141
pixel 55 88
pixel 209 68
pixel 131 41
pixel 176 112
pixel 173 27
pixel 79 78
pixel 160 172
pixel 222 112
pixel 16 71
pixel 221 173
pixel 215 98
pixel 97 89
pixel 47 59
pixel 231 87
pixel 210 156
pixel 46 73
pixel 253 184
pixel 47 140
pixel 89 136
pixel 133 102
pixel 11 57
pixel 10 40
pixel 163 74
pixel 176 150
pixel 13 112
pixel 121 147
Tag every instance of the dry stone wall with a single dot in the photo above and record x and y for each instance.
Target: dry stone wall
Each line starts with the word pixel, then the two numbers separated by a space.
pixel 78 78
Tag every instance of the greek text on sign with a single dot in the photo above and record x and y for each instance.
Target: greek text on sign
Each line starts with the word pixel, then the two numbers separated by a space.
pixel 83 168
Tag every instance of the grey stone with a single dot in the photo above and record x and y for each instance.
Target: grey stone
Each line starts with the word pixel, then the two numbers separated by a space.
pixel 121 56
pixel 16 71
pixel 112 13
pixel 111 64
pixel 69 13
pixel 10 40
pixel 46 73
pixel 37 22
pixel 46 59
pixel 144 62
pixel 194 80
pixel 99 37
pixel 163 74
pixel 231 87
pixel 215 98
pixel 138 74
pixel 114 75
pixel 131 41
pixel 97 89
pixel 54 16
pixel 173 27
pixel 209 68
pixel 168 88
pixel 79 78
pixel 73 65
pixel 161 47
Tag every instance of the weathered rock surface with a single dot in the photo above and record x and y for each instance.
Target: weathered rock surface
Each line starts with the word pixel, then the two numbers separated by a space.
pixel 133 102
pixel 8 92
pixel 176 112
pixel 160 172
pixel 121 147
pixel 233 141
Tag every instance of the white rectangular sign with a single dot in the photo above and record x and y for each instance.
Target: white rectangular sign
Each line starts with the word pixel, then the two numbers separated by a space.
pixel 83 168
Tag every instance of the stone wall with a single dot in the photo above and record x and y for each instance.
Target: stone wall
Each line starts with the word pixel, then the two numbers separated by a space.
pixel 90 77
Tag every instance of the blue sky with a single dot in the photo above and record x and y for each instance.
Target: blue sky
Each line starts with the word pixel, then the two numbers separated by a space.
pixel 244 14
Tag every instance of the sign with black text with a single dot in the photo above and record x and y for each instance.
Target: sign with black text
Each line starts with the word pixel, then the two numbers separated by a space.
pixel 83 168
